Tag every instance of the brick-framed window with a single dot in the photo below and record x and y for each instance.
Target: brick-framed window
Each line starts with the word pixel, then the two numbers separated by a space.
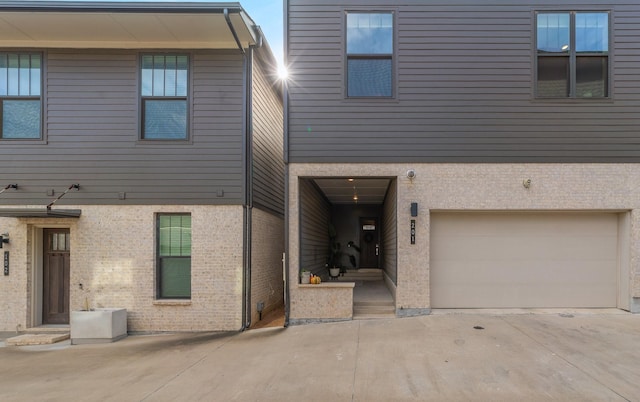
pixel 20 96
pixel 173 256
pixel 572 54
pixel 164 89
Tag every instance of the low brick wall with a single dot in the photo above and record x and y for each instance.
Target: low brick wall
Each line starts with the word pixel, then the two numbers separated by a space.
pixel 323 302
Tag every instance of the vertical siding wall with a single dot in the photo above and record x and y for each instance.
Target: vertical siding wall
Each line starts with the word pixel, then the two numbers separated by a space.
pixel 91 111
pixel 315 214
pixel 268 162
pixel 464 88
pixel 390 233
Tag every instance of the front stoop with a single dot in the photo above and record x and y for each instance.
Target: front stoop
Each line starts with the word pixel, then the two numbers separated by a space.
pixel 37 339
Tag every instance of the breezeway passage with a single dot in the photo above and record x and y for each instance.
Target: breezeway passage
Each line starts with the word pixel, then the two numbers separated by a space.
pixel 503 260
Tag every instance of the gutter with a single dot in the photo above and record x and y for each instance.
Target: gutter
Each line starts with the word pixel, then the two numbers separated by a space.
pixel 247 167
pixel 124 7
pixel 285 145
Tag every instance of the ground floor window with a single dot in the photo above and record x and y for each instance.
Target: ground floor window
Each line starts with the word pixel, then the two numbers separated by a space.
pixel 173 256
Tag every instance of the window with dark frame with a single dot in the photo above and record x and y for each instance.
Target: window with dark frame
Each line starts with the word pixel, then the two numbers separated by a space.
pixel 173 256
pixel 163 90
pixel 369 48
pixel 20 96
pixel 572 54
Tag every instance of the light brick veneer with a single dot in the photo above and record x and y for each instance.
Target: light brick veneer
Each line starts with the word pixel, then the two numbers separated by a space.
pixel 477 187
pixel 113 257
pixel 267 246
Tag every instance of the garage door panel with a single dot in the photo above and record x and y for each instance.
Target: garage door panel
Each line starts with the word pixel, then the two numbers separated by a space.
pixel 523 260
pixel 551 247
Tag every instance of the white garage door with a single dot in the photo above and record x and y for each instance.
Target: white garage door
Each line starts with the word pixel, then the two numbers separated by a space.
pixel 496 260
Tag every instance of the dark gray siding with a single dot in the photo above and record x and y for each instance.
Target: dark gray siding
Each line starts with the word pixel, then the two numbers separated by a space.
pixel 390 233
pixel 91 109
pixel 268 162
pixel 315 215
pixel 464 88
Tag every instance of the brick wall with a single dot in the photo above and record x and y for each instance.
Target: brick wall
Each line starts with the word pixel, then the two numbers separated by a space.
pixel 267 246
pixel 477 187
pixel 113 257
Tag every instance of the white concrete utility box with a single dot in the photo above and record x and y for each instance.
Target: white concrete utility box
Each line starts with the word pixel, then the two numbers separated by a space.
pixel 101 325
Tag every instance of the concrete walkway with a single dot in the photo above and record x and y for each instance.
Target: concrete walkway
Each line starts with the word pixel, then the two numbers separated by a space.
pixel 446 356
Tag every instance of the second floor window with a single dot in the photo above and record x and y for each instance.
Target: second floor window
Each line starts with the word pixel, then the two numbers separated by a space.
pixel 369 54
pixel 572 55
pixel 20 96
pixel 164 89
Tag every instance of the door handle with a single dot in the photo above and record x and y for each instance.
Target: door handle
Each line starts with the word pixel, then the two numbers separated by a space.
pixel 377 249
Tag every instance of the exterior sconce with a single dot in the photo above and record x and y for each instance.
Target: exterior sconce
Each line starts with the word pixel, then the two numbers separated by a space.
pixel 414 209
pixel 4 238
pixel 411 174
pixel 526 183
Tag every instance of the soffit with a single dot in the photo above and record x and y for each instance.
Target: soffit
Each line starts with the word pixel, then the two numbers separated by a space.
pixel 123 30
pixel 342 190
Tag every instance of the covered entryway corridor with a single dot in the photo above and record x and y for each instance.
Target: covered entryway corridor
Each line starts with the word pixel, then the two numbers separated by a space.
pixel 350 223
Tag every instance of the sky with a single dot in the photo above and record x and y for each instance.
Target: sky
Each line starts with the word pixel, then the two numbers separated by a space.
pixel 268 14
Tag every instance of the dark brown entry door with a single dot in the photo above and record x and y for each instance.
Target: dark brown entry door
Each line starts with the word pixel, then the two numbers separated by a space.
pixel 369 243
pixel 55 273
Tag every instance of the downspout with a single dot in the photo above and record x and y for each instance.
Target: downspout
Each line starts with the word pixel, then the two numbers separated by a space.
pixel 246 171
pixel 285 145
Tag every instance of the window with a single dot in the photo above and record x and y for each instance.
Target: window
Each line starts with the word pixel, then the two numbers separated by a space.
pixel 164 91
pixel 174 256
pixel 572 55
pixel 20 88
pixel 369 54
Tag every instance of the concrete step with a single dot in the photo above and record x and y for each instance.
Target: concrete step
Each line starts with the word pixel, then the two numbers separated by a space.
pixel 363 274
pixel 373 316
pixel 374 303
pixel 36 339
pixel 374 310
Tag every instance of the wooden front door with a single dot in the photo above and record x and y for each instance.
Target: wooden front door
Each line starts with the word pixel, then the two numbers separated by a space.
pixel 369 243
pixel 55 275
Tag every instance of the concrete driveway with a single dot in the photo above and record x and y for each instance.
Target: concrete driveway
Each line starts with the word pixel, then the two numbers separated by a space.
pixel 553 356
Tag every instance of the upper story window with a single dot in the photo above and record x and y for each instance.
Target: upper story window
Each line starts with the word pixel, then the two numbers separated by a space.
pixel 369 54
pixel 163 90
pixel 20 95
pixel 572 55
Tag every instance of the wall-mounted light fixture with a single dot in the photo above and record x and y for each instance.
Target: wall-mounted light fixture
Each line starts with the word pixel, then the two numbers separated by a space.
pixel 4 238
pixel 414 209
pixel 411 174
pixel 526 183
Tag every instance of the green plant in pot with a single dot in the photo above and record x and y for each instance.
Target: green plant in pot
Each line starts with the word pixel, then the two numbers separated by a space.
pixel 334 257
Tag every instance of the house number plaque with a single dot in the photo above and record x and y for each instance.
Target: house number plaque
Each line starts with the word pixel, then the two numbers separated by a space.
pixel 413 231
pixel 6 263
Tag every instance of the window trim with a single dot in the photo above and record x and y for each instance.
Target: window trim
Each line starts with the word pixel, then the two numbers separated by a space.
pixel 158 259
pixel 393 56
pixel 573 55
pixel 188 99
pixel 41 98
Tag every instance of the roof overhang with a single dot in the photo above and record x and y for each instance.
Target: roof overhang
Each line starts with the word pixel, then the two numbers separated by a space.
pixel 125 25
pixel 43 212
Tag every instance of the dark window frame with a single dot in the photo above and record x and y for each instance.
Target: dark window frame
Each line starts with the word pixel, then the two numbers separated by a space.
pixel 374 56
pixel 144 98
pixel 159 258
pixel 13 97
pixel 572 56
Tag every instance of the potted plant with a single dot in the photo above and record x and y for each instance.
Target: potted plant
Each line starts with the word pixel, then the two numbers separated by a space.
pixel 305 276
pixel 334 257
